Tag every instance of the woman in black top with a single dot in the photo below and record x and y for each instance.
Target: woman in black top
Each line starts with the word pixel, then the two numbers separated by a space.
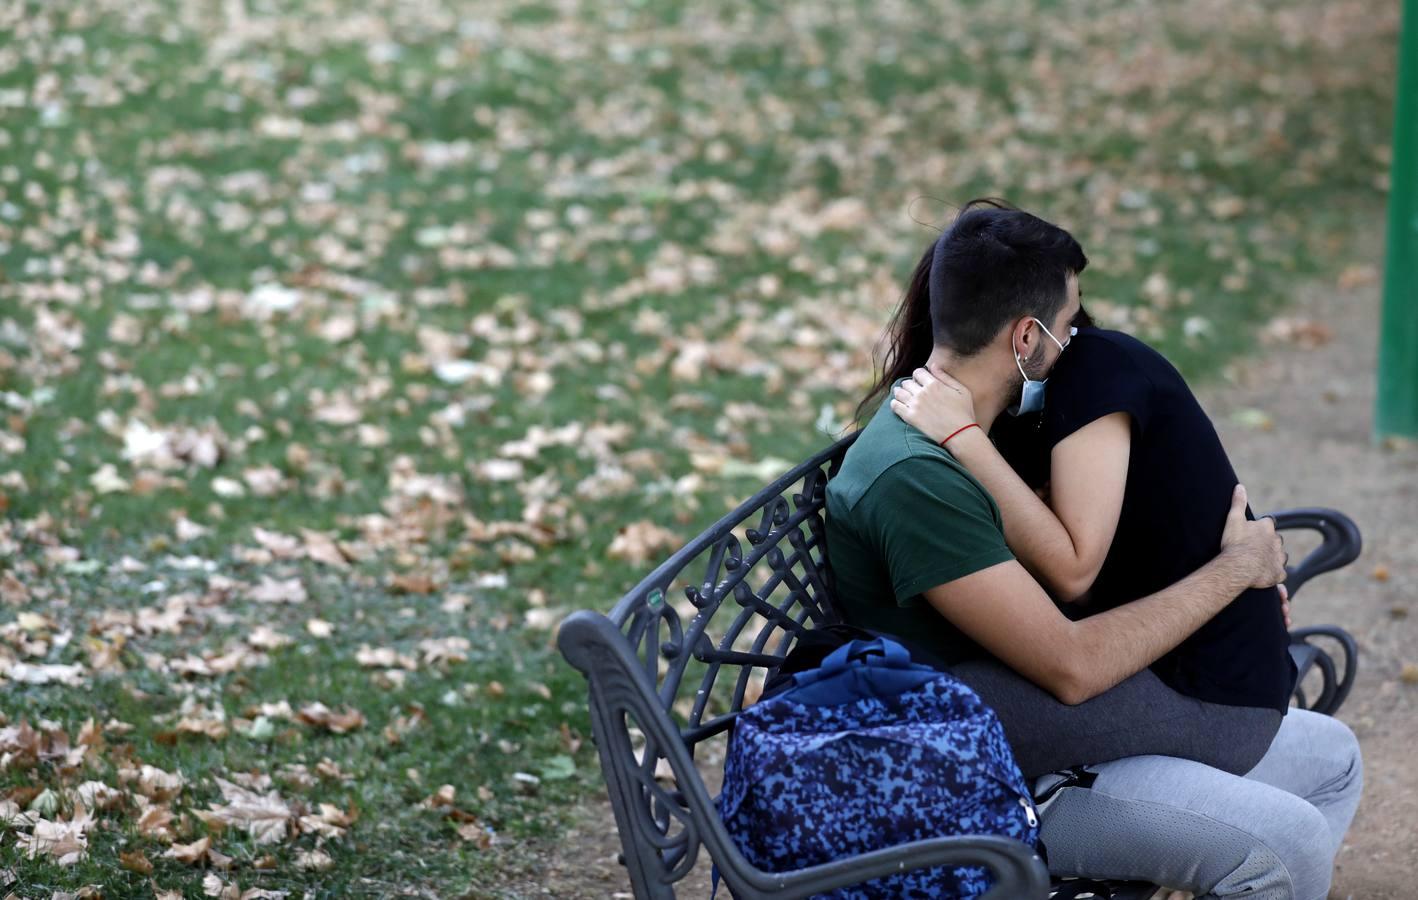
pixel 1138 486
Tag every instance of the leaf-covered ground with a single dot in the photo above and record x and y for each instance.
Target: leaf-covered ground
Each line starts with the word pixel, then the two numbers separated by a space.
pixel 345 347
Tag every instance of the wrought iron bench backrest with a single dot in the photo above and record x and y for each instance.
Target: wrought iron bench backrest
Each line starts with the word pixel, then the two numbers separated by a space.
pixel 704 628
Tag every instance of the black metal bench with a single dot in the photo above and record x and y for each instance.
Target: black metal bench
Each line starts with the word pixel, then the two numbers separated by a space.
pixel 673 663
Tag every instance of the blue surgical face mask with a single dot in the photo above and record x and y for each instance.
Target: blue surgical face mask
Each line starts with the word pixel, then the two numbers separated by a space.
pixel 1031 396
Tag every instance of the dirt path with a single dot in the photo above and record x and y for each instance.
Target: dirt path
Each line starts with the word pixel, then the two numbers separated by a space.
pixel 1312 447
pixel 1318 452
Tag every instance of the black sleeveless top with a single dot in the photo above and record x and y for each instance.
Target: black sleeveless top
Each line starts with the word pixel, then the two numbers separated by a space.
pixel 1179 487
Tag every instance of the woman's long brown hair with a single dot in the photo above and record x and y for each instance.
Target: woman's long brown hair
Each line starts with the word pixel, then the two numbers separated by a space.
pixel 909 340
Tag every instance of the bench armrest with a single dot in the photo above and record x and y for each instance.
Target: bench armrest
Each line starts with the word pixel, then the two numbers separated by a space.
pixel 1340 545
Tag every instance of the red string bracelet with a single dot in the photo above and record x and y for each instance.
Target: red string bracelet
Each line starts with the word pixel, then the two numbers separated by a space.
pixel 971 425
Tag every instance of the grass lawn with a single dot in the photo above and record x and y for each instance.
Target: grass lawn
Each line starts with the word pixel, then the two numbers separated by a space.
pixel 338 340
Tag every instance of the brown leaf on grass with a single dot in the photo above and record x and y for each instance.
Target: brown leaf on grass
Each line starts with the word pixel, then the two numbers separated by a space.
pixel 281 546
pixel 313 860
pixel 105 656
pixel 639 542
pixel 323 549
pixel 45 673
pixel 329 822
pixel 328 768
pixel 12 590
pixel 118 727
pixel 255 780
pixel 412 583
pixel 266 817
pixel 20 744
pixel 322 716
pixel 107 481
pixel 265 480
pixel 279 710
pixel 538 619
pixel 213 886
pixel 135 861
pixel 384 658
pixel 297 774
pixel 265 637
pixel 65 840
pixel 153 783
pixel 194 854
pixel 476 834
pixel 204 727
pixel 90 734
pixel 97 795
pixel 273 590
pixel 440 651
pixel 844 214
pixel 441 797
pixel 155 820
pixel 401 725
pixel 170 620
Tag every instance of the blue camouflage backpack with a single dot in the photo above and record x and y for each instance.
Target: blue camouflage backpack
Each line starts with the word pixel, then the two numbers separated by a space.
pixel 868 751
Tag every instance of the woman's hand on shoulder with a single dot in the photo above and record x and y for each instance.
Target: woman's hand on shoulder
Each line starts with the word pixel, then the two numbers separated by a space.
pixel 934 402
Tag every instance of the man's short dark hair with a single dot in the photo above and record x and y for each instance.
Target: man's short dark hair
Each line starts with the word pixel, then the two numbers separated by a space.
pixel 994 265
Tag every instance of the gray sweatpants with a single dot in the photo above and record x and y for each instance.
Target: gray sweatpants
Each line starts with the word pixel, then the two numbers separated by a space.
pixel 1141 716
pixel 1270 834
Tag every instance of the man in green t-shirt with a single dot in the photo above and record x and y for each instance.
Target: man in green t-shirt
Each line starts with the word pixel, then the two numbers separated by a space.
pixel 917 548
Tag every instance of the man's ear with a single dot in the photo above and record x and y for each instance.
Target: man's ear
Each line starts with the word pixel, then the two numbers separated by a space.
pixel 1022 336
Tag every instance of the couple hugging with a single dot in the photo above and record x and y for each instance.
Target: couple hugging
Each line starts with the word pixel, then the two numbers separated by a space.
pixel 1091 568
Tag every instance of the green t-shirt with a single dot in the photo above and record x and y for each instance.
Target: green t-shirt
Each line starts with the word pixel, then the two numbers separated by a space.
pixel 903 516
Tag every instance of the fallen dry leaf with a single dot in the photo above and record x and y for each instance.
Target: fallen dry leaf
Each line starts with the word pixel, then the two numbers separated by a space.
pixel 412 583
pixel 329 822
pixel 193 854
pixel 323 549
pixel 476 834
pixel 1357 276
pixel 153 783
pixel 639 542
pixel 266 817
pixel 314 860
pixel 273 590
pixel 441 797
pixel 213 886
pixel 384 657
pixel 97 795
pixel 1306 334
pixel 135 861
pixel 340 722
pixel 154 821
pixel 66 840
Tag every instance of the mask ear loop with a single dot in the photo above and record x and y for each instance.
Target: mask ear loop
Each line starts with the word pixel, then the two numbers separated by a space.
pixel 1018 361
